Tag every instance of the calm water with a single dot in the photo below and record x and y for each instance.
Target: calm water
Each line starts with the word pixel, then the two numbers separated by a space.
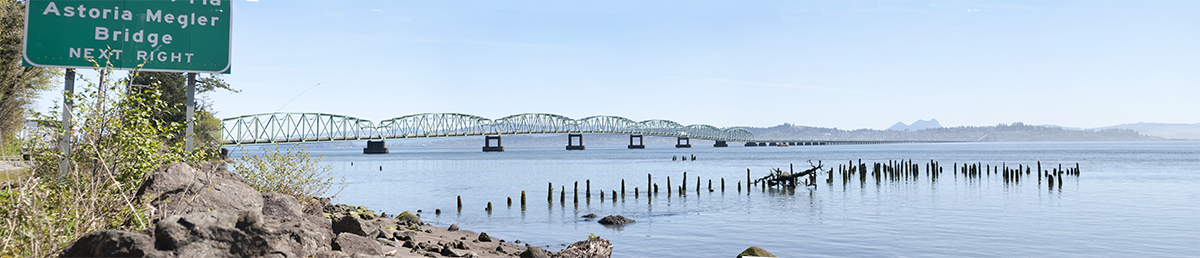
pixel 1139 199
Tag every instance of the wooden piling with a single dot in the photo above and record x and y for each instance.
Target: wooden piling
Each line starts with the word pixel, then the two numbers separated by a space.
pixel 489 207
pixel 614 197
pixel 562 195
pixel 636 193
pixel 522 198
pixel 576 191
pixel 588 193
pixel 722 184
pixel 748 179
pixel 698 184
pixel 550 193
pixel 668 185
pixel 460 202
pixel 655 188
pixel 622 188
pixel 510 201
pixel 649 182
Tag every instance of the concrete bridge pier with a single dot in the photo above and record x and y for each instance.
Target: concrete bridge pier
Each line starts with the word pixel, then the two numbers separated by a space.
pixel 720 144
pixel 751 144
pixel 375 147
pixel 571 141
pixel 487 144
pixel 683 142
pixel 638 144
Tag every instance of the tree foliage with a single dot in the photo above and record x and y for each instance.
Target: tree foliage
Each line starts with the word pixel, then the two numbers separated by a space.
pixel 173 87
pixel 19 85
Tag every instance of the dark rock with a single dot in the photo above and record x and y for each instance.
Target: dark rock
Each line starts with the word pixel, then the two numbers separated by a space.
pixel 535 252
pixel 338 209
pixel 483 237
pixel 755 251
pixel 451 252
pixel 302 235
pixel 352 243
pixel 354 225
pixel 595 248
pixel 385 242
pixel 110 243
pixel 281 205
pixel 590 216
pixel 615 220
pixel 410 244
pixel 433 248
pixel 405 235
pixel 471 255
pixel 409 218
pixel 453 227
pixel 460 245
pixel 329 254
pixel 500 249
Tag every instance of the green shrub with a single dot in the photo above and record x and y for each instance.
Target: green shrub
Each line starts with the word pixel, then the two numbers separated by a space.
pixel 115 142
pixel 290 171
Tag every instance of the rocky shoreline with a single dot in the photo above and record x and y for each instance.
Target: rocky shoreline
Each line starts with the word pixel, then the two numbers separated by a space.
pixel 211 212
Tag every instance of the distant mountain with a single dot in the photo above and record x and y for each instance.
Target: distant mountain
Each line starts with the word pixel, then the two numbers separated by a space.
pixel 918 125
pixel 998 133
pixel 1164 130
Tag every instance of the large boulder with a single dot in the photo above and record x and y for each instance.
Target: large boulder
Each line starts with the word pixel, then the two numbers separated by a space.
pixel 213 234
pixel 178 189
pixel 111 243
pixel 595 248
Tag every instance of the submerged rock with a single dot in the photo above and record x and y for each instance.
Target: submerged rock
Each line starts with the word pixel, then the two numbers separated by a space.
pixel 616 220
pixel 755 251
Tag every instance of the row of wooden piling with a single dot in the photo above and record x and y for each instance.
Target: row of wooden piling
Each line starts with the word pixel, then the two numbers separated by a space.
pixel 896 170
pixel 892 170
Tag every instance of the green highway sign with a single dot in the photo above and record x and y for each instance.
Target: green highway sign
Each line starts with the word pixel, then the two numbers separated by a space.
pixel 153 35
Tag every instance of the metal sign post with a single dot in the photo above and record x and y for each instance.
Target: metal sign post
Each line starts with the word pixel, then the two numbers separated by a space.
pixel 64 163
pixel 191 108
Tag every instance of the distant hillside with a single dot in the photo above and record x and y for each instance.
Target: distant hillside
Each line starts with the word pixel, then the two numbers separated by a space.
pixel 918 125
pixel 999 133
pixel 1168 131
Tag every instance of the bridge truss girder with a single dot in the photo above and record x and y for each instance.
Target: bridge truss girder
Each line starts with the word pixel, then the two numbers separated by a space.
pixel 321 127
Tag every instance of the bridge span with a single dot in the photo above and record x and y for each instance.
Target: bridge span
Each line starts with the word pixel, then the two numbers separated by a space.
pixel 286 127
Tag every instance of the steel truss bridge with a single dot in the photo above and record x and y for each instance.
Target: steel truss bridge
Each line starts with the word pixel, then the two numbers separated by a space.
pixel 277 127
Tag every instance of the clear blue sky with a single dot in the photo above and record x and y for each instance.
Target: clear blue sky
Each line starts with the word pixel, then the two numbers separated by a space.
pixel 845 64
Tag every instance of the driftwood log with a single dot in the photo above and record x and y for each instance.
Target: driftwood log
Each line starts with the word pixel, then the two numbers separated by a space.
pixel 790 178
